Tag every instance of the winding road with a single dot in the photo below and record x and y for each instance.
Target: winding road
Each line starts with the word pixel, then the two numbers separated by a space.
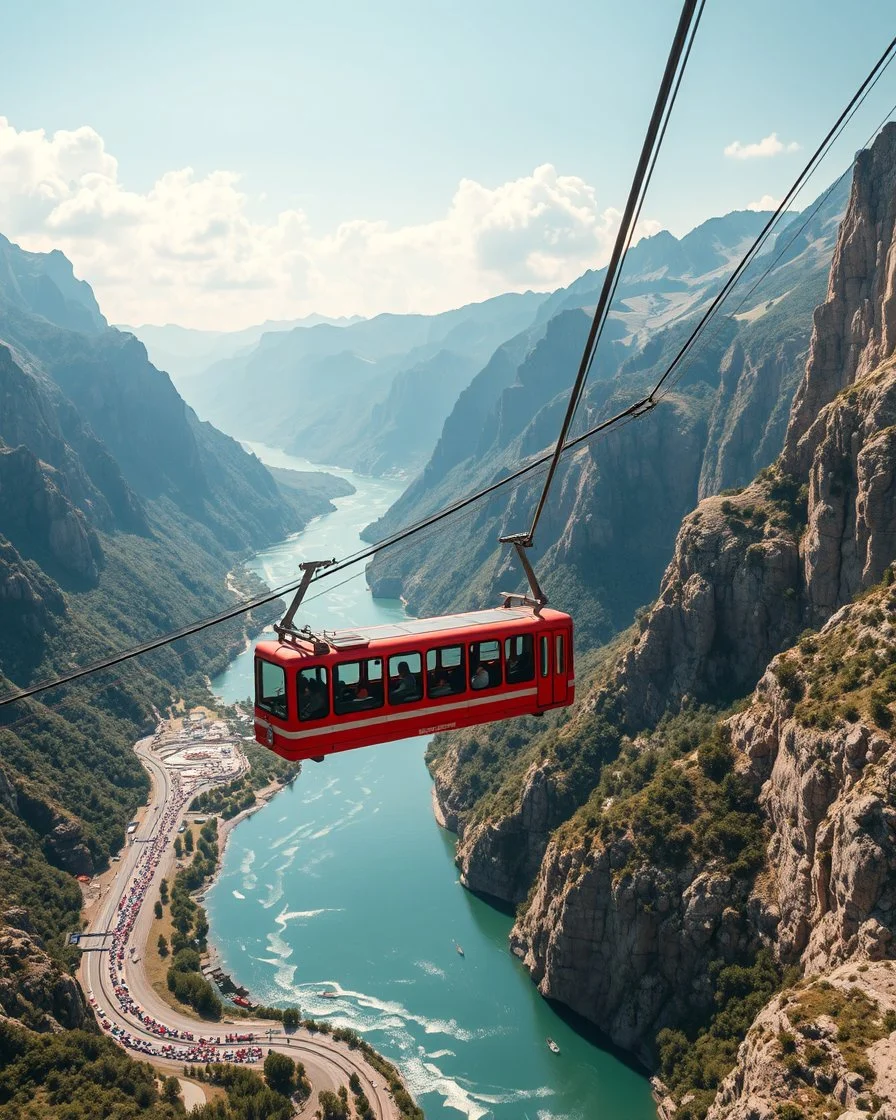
pixel 131 1011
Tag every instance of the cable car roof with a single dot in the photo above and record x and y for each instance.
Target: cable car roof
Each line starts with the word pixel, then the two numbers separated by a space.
pixel 344 639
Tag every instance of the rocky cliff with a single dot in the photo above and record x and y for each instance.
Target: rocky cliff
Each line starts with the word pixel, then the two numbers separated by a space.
pixel 38 518
pixel 709 861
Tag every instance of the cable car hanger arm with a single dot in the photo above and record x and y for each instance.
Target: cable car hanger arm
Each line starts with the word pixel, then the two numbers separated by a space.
pixel 285 629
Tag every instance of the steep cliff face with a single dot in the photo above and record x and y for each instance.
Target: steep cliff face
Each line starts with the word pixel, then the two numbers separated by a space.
pixel 629 951
pixel 30 602
pixel 41 522
pixel 818 737
pixel 32 986
pixel 730 599
pixel 695 874
pixel 34 414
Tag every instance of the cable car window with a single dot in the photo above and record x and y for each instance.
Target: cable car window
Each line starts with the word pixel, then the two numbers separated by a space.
pixel 270 688
pixel 405 678
pixel 357 686
pixel 314 696
pixel 559 661
pixel 445 674
pixel 545 656
pixel 485 664
pixel 519 659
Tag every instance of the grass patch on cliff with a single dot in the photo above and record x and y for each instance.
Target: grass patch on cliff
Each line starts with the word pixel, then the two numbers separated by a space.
pixel 848 673
pixel 860 1022
pixel 696 1059
pixel 673 796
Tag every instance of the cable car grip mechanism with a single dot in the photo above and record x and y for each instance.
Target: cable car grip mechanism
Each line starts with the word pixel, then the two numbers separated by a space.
pixel 538 599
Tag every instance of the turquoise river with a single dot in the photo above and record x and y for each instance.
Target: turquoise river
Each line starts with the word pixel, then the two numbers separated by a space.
pixel 344 882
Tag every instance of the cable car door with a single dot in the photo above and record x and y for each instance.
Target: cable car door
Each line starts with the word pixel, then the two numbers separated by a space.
pixel 560 667
pixel 545 662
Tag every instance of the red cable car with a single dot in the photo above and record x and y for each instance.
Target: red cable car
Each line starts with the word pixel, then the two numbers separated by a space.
pixel 315 695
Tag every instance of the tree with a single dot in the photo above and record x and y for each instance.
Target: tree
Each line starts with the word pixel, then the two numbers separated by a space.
pixel 331 1107
pixel 188 841
pixel 178 847
pixel 163 890
pixel 163 945
pixel 291 1018
pixel 157 909
pixel 171 1090
pixel 280 1073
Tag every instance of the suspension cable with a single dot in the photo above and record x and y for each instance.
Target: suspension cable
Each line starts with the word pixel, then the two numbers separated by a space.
pixel 687 27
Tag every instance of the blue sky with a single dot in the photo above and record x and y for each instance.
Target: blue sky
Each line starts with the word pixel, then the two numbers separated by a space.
pixel 372 114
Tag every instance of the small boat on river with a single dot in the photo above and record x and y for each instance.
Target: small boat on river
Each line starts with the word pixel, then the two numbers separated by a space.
pixel 458 949
pixel 552 1046
pixel 328 995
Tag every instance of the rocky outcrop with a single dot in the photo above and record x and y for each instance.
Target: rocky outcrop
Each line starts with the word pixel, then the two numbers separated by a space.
pixel 855 328
pixel 500 857
pixel 33 988
pixel 851 534
pixel 628 949
pixel 62 835
pixel 728 601
pixel 827 790
pixel 829 1044
pixel 38 518
pixel 30 602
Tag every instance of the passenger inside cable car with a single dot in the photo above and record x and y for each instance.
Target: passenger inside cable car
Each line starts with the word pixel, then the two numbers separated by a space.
pixel 404 685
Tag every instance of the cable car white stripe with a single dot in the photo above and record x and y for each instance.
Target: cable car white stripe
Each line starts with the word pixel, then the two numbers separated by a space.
pixel 336 729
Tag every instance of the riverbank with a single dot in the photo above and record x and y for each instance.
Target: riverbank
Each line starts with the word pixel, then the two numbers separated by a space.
pixel 112 971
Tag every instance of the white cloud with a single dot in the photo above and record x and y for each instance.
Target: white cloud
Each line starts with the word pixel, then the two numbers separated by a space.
pixel 764 203
pixel 188 250
pixel 768 146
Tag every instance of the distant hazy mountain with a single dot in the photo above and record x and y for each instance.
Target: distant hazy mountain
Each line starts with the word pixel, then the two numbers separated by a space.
pixel 372 395
pixel 184 352
pixel 44 284
pixel 617 503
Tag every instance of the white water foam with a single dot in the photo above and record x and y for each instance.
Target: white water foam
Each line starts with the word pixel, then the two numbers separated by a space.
pixel 298 833
pixel 286 916
pixel 431 969
pixel 275 893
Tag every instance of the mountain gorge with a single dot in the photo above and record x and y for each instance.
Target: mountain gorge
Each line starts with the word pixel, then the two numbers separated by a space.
pixel 619 499
pixel 121 516
pixel 370 395
pixel 714 824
